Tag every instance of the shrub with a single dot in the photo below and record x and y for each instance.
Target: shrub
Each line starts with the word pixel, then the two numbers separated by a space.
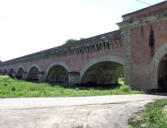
pixel 121 81
pixel 125 88
pixel 69 41
pixel 5 85
pixel 13 89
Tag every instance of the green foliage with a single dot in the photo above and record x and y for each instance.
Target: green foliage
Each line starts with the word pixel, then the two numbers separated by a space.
pixel 5 85
pixel 13 89
pixel 125 88
pixel 151 117
pixel 121 81
pixel 118 72
pixel 81 38
pixel 69 41
pixel 34 87
pixel 4 78
pixel 19 88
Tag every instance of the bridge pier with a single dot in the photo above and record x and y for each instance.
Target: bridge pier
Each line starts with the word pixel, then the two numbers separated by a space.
pixel 41 77
pixel 73 78
pixel 13 75
pixel 126 37
pixel 24 76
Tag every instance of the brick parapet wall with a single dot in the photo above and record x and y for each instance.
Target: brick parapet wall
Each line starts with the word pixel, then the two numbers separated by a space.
pixel 141 21
pixel 104 41
pixel 151 10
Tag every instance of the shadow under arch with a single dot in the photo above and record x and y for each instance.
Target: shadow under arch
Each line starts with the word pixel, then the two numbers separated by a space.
pixel 12 72
pixel 102 71
pixel 5 72
pixel 19 72
pixel 33 73
pixel 154 67
pixel 57 72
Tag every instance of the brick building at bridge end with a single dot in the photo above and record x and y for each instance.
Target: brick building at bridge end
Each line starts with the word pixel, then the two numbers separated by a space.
pixel 139 49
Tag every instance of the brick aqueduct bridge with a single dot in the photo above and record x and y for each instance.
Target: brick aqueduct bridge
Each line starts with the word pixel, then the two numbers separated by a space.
pixel 139 48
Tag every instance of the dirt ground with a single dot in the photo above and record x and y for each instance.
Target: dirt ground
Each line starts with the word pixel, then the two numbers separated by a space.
pixel 109 113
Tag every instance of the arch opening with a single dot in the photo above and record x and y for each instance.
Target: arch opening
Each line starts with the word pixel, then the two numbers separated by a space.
pixel 12 73
pixel 33 74
pixel 20 72
pixel 57 74
pixel 162 74
pixel 5 72
pixel 104 73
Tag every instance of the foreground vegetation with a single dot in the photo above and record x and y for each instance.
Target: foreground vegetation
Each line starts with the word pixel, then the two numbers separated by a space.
pixel 153 116
pixel 19 88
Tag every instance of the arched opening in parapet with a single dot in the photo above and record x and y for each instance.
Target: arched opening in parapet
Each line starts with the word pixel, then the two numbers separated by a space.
pixel 104 74
pixel 162 74
pixel 5 72
pixel 33 74
pixel 12 73
pixel 57 74
pixel 20 72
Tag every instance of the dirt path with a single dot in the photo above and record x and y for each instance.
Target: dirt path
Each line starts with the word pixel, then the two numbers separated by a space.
pixel 97 112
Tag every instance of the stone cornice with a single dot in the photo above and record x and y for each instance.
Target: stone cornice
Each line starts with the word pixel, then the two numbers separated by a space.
pixel 100 42
pixel 148 10
pixel 129 23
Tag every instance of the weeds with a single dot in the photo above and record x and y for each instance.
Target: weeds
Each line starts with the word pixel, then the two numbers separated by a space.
pixel 151 117
pixel 19 88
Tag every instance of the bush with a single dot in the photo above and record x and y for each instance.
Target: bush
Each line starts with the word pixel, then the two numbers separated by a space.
pixel 121 81
pixel 5 85
pixel 13 89
pixel 69 41
pixel 125 88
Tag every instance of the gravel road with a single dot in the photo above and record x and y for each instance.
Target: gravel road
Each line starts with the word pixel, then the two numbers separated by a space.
pixel 72 112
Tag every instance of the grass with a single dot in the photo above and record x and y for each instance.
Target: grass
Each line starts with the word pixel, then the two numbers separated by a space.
pixel 152 116
pixel 19 88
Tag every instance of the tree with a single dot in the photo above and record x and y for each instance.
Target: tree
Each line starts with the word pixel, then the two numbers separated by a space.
pixel 82 38
pixel 69 41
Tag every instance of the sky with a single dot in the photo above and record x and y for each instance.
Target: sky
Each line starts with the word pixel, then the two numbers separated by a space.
pixel 28 26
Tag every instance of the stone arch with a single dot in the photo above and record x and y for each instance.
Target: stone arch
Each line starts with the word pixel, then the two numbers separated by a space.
pixel 20 66
pixel 57 72
pixel 12 72
pixel 20 72
pixel 34 65
pixel 58 63
pixel 33 73
pixel 103 62
pixel 160 53
pixel 102 59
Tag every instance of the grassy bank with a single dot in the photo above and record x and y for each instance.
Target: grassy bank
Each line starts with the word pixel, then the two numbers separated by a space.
pixel 18 88
pixel 151 117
